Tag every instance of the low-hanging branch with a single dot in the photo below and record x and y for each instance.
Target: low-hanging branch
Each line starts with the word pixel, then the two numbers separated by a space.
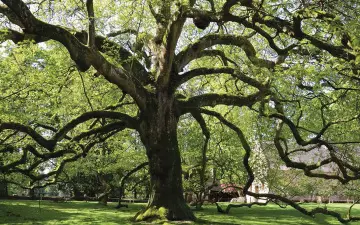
pixel 61 133
pixel 67 150
pixel 308 169
pixel 229 206
pixel 48 144
pixel 54 174
pixel 251 177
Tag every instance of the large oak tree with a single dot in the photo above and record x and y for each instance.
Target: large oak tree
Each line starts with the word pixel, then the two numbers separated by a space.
pixel 293 63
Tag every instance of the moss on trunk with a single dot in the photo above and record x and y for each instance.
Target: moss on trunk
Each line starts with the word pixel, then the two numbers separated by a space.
pixel 158 132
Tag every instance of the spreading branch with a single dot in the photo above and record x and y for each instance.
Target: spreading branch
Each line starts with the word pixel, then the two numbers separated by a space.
pixel 203 71
pixel 212 100
pixel 193 51
pixel 251 177
pixel 50 144
pixel 82 55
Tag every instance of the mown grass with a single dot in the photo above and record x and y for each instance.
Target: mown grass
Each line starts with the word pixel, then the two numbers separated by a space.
pixel 28 212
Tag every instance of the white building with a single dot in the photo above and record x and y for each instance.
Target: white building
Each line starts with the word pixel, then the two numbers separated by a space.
pixel 259 188
pixel 260 168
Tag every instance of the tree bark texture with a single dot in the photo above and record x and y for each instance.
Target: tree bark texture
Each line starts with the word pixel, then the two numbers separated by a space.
pixel 104 196
pixel 158 131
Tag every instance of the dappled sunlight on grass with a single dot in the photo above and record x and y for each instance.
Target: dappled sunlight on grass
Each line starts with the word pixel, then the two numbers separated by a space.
pixel 28 212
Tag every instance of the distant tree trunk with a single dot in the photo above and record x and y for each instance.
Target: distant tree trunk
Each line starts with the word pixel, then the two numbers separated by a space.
pixel 32 193
pixel 77 193
pixel 121 194
pixel 158 132
pixel 135 193
pixel 104 197
pixel 147 191
pixel 201 193
pixel 123 180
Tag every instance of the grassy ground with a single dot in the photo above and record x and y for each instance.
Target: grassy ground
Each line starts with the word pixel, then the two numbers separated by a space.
pixel 28 212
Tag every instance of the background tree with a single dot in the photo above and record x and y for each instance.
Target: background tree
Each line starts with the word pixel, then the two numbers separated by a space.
pixel 294 63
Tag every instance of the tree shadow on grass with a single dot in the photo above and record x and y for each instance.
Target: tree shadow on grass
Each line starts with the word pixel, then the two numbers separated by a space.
pixel 16 212
pixel 21 213
pixel 204 221
pixel 281 216
pixel 262 215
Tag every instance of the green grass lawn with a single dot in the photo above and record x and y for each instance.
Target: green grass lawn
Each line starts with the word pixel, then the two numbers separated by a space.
pixel 28 212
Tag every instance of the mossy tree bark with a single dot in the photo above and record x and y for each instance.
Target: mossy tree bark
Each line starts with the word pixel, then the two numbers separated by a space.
pixel 158 131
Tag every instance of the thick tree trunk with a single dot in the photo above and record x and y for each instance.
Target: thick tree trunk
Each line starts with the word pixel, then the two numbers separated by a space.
pixel 158 132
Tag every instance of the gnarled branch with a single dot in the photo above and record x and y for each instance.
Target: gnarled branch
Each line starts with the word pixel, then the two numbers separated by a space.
pixel 193 51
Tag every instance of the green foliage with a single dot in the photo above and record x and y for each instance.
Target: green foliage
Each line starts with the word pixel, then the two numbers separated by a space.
pixel 312 86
